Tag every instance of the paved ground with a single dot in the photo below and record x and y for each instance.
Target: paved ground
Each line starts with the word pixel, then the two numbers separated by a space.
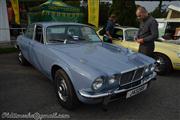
pixel 24 89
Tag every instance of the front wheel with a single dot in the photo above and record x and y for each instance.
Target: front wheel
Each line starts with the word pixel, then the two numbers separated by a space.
pixel 163 64
pixel 65 91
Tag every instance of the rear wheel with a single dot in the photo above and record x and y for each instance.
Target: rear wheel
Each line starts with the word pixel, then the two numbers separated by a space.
pixel 163 64
pixel 65 91
pixel 22 59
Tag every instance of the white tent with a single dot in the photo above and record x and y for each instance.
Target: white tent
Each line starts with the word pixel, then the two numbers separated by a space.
pixel 4 25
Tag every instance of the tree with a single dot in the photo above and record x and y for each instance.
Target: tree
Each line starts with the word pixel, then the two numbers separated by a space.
pixel 125 12
pixel 159 12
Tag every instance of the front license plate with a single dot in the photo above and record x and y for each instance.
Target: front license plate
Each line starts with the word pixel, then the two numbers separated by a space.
pixel 136 91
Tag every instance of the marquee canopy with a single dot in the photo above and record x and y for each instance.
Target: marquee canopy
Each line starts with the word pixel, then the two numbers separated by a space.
pixel 55 10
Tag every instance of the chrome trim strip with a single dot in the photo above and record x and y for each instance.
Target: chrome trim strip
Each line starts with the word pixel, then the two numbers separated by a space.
pixel 86 95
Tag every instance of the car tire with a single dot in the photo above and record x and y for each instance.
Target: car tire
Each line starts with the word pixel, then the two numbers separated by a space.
pixel 22 59
pixel 164 65
pixel 65 90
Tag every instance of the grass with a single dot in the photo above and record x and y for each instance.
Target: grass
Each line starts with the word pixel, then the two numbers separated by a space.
pixel 8 50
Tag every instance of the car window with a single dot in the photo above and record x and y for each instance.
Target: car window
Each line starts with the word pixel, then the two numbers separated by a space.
pixel 130 34
pixel 161 28
pixel 55 32
pixel 39 34
pixel 171 29
pixel 29 31
pixel 118 34
pixel 161 25
pixel 71 33
pixel 89 34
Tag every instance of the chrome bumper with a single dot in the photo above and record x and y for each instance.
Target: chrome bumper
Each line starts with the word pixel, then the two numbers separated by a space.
pixel 111 92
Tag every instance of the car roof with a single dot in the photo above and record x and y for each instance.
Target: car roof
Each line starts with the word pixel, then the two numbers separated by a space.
pixel 46 24
pixel 168 20
pixel 125 27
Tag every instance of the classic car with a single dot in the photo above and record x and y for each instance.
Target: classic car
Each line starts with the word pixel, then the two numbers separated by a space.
pixel 167 28
pixel 167 55
pixel 83 68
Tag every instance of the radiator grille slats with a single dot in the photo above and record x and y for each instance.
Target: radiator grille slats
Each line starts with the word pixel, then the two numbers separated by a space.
pixel 131 76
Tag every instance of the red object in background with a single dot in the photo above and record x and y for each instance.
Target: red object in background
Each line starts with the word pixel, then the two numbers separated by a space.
pixel 177 33
pixel 10 13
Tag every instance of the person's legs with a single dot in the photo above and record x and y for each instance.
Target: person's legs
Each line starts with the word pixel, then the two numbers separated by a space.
pixel 147 51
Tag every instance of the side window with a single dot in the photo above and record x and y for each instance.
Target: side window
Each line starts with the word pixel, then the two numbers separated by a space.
pixel 130 35
pixel 161 28
pixel 39 34
pixel 55 33
pixel 171 29
pixel 118 34
pixel 29 31
pixel 74 31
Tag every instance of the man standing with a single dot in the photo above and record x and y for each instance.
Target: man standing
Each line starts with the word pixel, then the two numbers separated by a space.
pixel 110 29
pixel 148 32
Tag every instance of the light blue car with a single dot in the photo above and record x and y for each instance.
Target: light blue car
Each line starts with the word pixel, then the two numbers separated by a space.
pixel 83 68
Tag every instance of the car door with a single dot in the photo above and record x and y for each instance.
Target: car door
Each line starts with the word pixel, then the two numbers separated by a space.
pixel 129 36
pixel 118 38
pixel 25 42
pixel 38 48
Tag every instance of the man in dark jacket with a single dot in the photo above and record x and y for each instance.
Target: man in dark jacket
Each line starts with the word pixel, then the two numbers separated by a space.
pixel 110 28
pixel 148 32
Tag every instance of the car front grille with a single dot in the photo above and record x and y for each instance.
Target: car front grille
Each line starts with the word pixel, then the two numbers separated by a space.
pixel 131 76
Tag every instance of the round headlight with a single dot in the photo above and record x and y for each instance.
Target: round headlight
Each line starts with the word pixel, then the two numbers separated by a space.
pixel 112 80
pixel 152 68
pixel 146 70
pixel 97 84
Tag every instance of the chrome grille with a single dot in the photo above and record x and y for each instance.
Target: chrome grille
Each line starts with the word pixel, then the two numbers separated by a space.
pixel 131 76
pixel 127 77
pixel 138 74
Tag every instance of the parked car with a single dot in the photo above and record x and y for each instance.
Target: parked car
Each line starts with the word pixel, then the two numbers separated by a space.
pixel 83 67
pixel 167 28
pixel 167 55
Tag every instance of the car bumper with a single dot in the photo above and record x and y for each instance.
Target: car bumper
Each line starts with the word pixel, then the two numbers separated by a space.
pixel 90 95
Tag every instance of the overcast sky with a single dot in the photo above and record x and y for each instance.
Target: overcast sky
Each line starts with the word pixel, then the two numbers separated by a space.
pixel 150 6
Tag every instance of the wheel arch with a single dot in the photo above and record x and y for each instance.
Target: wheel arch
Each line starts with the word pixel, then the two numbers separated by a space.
pixel 167 57
pixel 54 68
pixel 65 68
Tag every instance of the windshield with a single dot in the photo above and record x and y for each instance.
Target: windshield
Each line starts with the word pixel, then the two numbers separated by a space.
pixel 131 34
pixel 71 34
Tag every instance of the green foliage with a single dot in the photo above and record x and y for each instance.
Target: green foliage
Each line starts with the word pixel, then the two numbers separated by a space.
pixel 125 12
pixel 8 50
pixel 158 12
pixel 103 13
pixel 73 3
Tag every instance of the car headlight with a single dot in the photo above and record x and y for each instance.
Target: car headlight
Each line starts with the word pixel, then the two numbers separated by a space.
pixel 112 80
pixel 178 54
pixel 146 69
pixel 97 84
pixel 152 67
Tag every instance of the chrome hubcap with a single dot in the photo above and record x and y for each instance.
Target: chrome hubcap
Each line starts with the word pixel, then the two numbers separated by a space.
pixel 160 63
pixel 20 57
pixel 62 90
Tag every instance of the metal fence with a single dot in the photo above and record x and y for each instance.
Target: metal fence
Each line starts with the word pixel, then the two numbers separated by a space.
pixel 14 32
